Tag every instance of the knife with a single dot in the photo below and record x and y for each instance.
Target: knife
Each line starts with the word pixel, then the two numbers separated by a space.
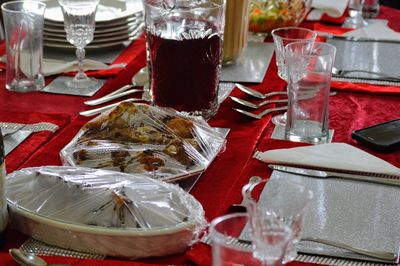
pixel 364 79
pixel 356 39
pixel 384 179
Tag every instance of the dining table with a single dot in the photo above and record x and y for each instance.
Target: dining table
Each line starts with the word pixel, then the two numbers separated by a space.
pixel 353 107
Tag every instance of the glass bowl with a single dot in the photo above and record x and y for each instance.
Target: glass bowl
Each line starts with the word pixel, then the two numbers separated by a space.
pixel 266 15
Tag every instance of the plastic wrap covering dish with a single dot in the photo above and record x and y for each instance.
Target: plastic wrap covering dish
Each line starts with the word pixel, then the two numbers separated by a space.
pixel 104 212
pixel 137 138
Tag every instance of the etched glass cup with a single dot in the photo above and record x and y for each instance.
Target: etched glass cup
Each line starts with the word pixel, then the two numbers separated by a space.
pixel 282 37
pixel 277 201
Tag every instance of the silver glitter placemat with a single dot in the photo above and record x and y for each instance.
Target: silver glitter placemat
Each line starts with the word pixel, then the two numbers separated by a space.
pixel 360 214
pixel 252 64
pixel 42 249
pixel 382 57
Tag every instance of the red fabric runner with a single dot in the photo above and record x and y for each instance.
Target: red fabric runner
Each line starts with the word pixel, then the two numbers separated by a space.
pixel 221 184
pixel 36 140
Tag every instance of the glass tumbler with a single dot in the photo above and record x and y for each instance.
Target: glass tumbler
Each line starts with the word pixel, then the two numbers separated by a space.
pixel 309 78
pixel 227 248
pixel 23 23
pixel 184 52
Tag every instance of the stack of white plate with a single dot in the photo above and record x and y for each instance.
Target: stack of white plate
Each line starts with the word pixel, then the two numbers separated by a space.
pixel 115 24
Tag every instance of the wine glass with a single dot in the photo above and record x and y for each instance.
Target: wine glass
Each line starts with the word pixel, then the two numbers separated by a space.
pixel 79 24
pixel 282 37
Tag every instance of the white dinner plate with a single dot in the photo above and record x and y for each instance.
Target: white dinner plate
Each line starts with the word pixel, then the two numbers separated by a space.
pixel 108 10
pixel 60 32
pixel 90 46
pixel 120 38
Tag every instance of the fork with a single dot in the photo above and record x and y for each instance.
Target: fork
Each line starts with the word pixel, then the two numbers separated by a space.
pixel 263 113
pixel 258 94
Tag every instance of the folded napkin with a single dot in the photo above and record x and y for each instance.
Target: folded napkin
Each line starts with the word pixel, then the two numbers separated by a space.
pixel 334 156
pixel 378 30
pixel 332 8
pixel 53 67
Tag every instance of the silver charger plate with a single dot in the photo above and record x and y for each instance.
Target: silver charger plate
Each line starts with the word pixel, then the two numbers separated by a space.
pixel 360 214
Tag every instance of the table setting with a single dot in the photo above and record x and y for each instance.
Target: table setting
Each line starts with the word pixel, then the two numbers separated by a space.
pixel 159 163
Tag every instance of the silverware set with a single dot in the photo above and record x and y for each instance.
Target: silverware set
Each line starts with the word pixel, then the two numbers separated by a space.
pixel 258 95
pixel 140 79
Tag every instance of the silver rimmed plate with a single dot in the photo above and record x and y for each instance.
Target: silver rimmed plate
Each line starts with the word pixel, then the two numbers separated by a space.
pixel 107 11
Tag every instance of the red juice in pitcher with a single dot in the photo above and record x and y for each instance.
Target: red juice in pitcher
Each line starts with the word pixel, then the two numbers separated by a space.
pixel 185 73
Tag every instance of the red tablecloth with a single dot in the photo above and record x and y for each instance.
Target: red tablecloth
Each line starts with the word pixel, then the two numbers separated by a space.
pixel 220 185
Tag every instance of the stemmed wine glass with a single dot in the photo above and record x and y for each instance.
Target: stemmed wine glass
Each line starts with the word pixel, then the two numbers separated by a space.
pixel 79 24
pixel 282 37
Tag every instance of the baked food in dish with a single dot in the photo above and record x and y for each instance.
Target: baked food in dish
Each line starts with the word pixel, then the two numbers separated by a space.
pixel 103 212
pixel 137 138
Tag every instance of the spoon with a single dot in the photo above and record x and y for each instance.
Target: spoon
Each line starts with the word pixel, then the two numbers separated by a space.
pixel 260 115
pixel 257 94
pixel 28 259
pixel 139 79
pixel 254 105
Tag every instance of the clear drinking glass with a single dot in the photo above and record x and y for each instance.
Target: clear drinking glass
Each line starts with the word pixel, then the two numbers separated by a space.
pixel 227 249
pixel 355 20
pixel 278 199
pixel 282 37
pixel 309 77
pixel 229 231
pixel 184 49
pixel 79 24
pixel 370 8
pixel 23 24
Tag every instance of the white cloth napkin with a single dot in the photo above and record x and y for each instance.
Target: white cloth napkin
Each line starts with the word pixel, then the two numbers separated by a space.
pixel 334 8
pixel 52 67
pixel 339 156
pixel 375 31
